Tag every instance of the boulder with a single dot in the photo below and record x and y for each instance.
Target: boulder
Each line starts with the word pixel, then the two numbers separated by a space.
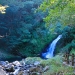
pixel 10 68
pixel 46 68
pixel 16 63
pixel 23 73
pixel 3 63
pixel 2 72
pixel 37 63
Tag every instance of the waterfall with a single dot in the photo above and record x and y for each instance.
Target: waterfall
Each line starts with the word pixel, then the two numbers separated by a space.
pixel 50 50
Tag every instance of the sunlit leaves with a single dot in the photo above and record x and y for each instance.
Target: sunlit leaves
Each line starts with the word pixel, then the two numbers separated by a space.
pixel 59 10
pixel 2 9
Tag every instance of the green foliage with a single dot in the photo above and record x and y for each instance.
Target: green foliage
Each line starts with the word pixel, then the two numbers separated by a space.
pixel 66 48
pixel 59 11
pixel 55 65
pixel 72 51
pixel 33 46
pixel 26 32
pixel 62 12
pixel 67 42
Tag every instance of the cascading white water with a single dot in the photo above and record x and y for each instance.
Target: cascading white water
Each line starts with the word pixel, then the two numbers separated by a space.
pixel 50 50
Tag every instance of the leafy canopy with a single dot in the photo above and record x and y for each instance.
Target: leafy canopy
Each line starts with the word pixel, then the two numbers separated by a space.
pixel 62 11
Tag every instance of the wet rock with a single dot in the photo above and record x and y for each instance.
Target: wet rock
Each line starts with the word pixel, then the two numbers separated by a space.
pixel 2 72
pixel 7 62
pixel 46 68
pixel 3 63
pixel 35 69
pixel 39 68
pixel 35 73
pixel 36 63
pixel 23 68
pixel 23 73
pixel 16 63
pixel 16 71
pixel 1 67
pixel 10 68
pixel 31 65
pixel 32 69
pixel 23 62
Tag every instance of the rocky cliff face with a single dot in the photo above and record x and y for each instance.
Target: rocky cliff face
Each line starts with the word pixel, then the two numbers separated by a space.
pixel 22 68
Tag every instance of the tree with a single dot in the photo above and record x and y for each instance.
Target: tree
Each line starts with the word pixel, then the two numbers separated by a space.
pixel 62 11
pixel 24 29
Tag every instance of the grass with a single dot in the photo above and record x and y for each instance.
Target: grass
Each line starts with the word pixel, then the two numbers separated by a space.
pixel 55 65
